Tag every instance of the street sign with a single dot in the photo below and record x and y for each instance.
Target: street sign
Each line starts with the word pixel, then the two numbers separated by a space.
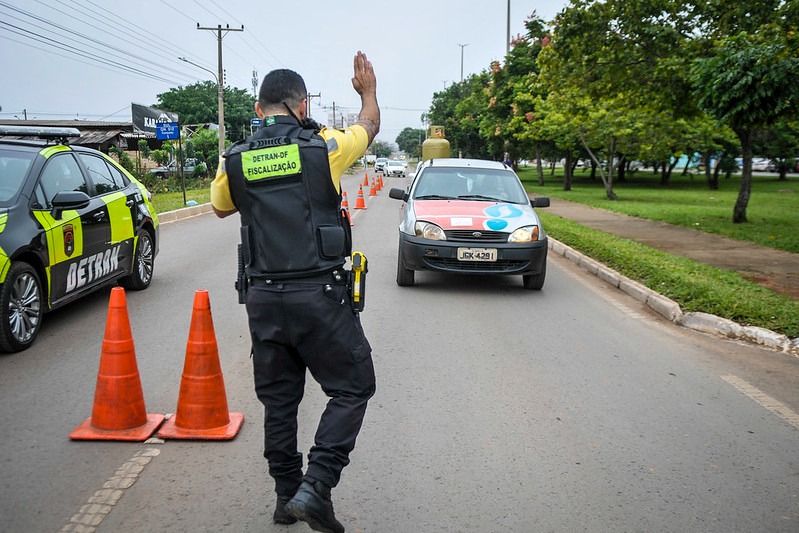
pixel 165 131
pixel 256 122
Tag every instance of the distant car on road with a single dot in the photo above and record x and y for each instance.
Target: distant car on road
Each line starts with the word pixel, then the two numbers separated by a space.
pixel 395 168
pixel 173 168
pixel 380 164
pixel 470 216
pixel 72 220
pixel 762 164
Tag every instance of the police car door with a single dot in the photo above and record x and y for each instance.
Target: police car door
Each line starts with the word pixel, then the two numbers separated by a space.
pixel 74 239
pixel 120 199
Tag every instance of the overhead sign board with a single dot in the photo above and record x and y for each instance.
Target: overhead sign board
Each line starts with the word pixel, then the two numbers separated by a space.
pixel 165 131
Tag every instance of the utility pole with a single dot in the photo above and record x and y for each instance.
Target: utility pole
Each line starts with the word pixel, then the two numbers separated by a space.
pixel 507 32
pixel 220 81
pixel 462 47
pixel 309 101
pixel 255 84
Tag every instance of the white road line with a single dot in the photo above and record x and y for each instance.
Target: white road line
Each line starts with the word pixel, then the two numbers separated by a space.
pixel 772 404
pixel 102 502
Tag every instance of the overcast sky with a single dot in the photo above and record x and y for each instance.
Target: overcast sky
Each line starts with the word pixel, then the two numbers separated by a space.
pixel 90 59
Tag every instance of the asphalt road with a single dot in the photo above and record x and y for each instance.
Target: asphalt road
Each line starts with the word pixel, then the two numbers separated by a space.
pixel 498 410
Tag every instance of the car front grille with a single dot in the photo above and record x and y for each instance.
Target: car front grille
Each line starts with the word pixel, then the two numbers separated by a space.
pixel 478 236
pixel 476 266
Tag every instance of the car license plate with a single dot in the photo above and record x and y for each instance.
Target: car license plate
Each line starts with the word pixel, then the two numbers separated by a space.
pixel 477 254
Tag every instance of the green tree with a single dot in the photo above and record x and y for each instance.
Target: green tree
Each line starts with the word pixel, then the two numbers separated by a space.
pixel 381 149
pixel 198 104
pixel 748 81
pixel 410 141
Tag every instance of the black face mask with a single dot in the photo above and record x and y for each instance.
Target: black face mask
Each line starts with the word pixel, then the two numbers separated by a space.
pixel 306 123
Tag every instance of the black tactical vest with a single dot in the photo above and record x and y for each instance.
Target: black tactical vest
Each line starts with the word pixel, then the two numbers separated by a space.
pixel 291 217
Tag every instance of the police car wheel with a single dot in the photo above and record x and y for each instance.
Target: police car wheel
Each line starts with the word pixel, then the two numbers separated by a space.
pixel 22 309
pixel 143 264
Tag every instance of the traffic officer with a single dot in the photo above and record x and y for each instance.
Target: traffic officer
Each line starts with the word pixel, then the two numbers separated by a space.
pixel 285 183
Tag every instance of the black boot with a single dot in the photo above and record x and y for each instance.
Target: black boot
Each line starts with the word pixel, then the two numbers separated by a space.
pixel 282 516
pixel 312 504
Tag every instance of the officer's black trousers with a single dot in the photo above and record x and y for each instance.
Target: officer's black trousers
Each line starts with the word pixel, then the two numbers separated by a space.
pixel 295 326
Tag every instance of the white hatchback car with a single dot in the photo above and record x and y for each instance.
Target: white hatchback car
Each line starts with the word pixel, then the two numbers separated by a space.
pixel 470 216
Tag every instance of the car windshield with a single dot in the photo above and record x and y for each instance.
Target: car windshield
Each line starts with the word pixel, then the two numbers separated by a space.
pixel 14 167
pixel 493 185
pixel 395 163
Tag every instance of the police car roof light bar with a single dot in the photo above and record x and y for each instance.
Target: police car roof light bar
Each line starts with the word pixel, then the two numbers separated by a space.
pixel 58 134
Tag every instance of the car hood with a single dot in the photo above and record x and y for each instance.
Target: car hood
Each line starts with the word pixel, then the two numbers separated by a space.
pixel 470 214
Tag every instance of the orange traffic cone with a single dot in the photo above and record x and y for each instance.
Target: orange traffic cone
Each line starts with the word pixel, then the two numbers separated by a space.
pixel 366 180
pixel 360 203
pixel 118 412
pixel 380 181
pixel 345 205
pixel 372 190
pixel 202 403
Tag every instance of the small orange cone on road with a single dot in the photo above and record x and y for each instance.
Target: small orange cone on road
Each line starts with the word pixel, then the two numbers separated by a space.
pixel 202 403
pixel 118 412
pixel 360 203
pixel 380 181
pixel 372 189
pixel 345 205
pixel 366 180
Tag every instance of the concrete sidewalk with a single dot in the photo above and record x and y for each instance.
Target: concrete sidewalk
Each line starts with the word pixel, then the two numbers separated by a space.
pixel 774 269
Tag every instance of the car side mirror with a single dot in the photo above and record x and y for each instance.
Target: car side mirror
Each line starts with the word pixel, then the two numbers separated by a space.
pixel 65 200
pixel 540 201
pixel 398 194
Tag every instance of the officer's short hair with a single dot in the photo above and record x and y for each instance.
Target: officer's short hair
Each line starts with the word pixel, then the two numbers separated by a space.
pixel 282 85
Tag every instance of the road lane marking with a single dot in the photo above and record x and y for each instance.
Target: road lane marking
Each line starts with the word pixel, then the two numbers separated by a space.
pixel 772 404
pixel 91 515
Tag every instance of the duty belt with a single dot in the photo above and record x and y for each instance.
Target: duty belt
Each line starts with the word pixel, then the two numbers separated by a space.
pixel 335 277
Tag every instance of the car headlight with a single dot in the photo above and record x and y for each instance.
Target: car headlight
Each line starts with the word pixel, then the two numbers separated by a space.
pixel 430 231
pixel 524 234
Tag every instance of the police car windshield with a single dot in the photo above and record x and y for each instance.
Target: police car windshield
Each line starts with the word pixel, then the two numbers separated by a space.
pixel 14 167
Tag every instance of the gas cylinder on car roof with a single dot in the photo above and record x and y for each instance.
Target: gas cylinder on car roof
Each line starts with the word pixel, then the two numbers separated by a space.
pixel 435 146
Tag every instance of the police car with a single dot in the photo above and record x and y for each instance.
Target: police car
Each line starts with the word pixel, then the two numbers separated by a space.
pixel 72 220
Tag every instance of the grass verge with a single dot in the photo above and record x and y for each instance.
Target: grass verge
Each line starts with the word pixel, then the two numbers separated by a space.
pixel 773 209
pixel 169 201
pixel 694 286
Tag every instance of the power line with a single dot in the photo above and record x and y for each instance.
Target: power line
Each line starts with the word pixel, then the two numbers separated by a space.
pixel 72 50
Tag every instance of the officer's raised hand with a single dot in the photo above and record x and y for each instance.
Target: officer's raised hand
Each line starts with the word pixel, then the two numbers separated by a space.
pixel 364 82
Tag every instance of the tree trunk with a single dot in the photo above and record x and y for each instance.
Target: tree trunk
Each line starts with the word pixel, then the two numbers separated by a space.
pixel 538 166
pixel 567 172
pixel 714 185
pixel 665 177
pixel 739 211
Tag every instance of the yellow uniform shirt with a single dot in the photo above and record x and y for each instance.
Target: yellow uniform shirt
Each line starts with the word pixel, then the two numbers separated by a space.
pixel 343 149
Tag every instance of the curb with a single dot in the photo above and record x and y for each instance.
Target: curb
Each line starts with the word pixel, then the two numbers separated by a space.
pixel 671 310
pixel 185 212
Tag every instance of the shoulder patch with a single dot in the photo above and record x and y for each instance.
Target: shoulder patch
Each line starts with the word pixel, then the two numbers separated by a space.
pixel 332 145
